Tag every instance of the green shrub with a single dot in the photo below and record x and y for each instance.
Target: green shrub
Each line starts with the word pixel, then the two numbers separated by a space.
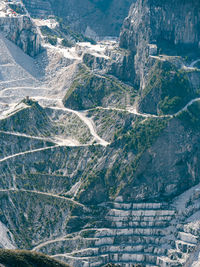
pixel 170 85
pixel 52 40
pixel 89 91
pixel 190 117
pixel 66 43
pixel 22 258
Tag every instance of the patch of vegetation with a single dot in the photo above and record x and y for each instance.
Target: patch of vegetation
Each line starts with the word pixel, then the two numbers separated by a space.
pixel 66 43
pixel 52 40
pixel 35 120
pixel 136 140
pixel 190 117
pixel 110 122
pixel 171 85
pixel 10 144
pixel 113 265
pixel 42 214
pixel 51 36
pixel 197 65
pixel 43 182
pixel 76 36
pixel 123 157
pixel 20 121
pixel 23 258
pixel 89 60
pixel 89 91
pixel 87 233
pixel 142 136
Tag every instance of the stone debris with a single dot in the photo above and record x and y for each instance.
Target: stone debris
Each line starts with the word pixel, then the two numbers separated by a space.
pixel 150 234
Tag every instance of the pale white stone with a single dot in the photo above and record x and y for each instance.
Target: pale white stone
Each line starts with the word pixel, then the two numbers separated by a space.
pixel 6 238
pixel 188 237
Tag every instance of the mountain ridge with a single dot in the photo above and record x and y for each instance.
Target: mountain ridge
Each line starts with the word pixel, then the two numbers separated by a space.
pixel 100 140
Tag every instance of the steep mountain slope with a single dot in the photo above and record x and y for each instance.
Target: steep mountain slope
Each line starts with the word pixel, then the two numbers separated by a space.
pixel 21 31
pixel 90 90
pixel 94 18
pixel 158 27
pixel 100 150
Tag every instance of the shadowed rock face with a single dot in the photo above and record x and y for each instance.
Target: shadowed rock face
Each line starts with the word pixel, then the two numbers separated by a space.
pixel 160 23
pixel 103 17
pixel 22 32
pixel 96 186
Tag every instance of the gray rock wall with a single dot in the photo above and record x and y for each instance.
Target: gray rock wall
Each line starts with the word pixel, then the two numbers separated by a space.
pixel 102 17
pixel 164 23
pixel 22 32
pixel 162 20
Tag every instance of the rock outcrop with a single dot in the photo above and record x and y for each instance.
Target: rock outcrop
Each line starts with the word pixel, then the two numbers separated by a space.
pixel 22 32
pixel 91 17
pixel 154 26
pixel 89 91
pixel 38 8
pixel 130 234
pixel 67 192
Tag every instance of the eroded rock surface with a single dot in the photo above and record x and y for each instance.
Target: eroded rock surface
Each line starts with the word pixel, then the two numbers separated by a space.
pixel 99 157
pixel 22 32
pixel 94 18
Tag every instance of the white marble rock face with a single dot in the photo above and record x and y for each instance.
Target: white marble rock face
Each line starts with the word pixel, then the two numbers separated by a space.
pixel 6 238
pixel 156 234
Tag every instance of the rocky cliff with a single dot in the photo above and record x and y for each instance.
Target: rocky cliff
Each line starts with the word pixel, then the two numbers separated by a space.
pixel 91 17
pixel 94 169
pixel 22 32
pixel 159 26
